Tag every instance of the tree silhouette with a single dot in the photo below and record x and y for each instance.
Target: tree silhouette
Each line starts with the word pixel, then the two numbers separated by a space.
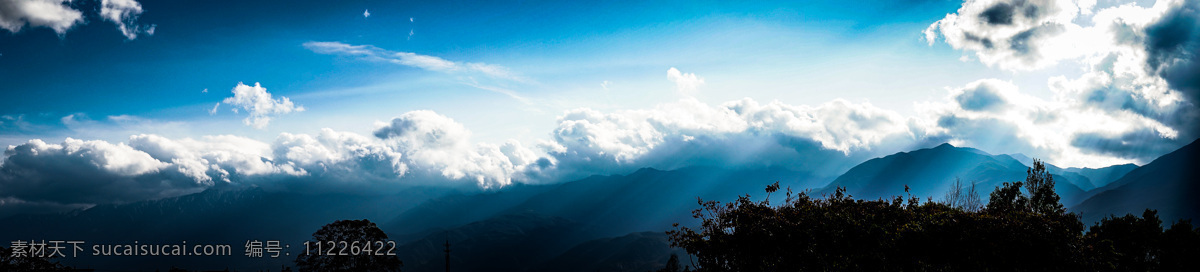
pixel 1040 185
pixel 351 231
pixel 1007 198
pixel 1180 247
pixel 963 196
pixel 672 265
pixel 27 263
pixel 1126 243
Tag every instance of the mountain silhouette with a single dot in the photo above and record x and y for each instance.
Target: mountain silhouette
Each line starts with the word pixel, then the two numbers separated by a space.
pixel 1169 184
pixel 930 172
pixel 604 206
pixel 1100 177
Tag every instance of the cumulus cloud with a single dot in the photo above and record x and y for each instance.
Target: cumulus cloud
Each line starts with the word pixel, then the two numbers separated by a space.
pixel 736 133
pixel 1136 99
pixel 223 158
pixel 77 171
pixel 437 144
pixel 418 148
pixel 124 13
pixel 1172 43
pixel 54 14
pixel 1016 34
pixel 426 148
pixel 992 114
pixel 341 156
pixel 984 95
pixel 60 16
pixel 685 83
pixel 259 104
pixel 431 63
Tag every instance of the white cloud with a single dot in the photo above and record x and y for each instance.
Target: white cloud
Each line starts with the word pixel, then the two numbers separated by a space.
pixel 259 104
pixel 59 16
pixel 53 14
pixel 737 133
pixel 124 13
pixel 426 148
pixel 1012 34
pixel 991 114
pixel 416 148
pixel 431 63
pixel 685 83
pixel 366 13
pixel 348 152
pixel 1125 107
pixel 838 125
pixel 77 171
pixel 15 123
pixel 73 119
pixel 214 109
pixel 437 144
pixel 223 158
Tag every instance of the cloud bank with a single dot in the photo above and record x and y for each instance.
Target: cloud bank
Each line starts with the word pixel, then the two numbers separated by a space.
pixel 424 148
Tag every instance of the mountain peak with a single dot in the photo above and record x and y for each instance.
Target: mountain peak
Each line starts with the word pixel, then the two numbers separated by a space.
pixel 947 147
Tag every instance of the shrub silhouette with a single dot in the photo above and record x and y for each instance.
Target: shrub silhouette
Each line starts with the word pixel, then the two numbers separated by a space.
pixel 1016 231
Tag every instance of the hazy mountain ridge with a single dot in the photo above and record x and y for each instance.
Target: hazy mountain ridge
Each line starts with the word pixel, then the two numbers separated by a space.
pixel 648 199
pixel 1094 177
pixel 1169 184
pixel 930 172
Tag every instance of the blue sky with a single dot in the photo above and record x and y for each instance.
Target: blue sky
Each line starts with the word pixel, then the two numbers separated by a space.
pixel 489 93
pixel 567 50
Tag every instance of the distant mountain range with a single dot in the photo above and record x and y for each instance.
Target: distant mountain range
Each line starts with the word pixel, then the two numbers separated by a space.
pixel 930 173
pixel 599 223
pixel 1170 184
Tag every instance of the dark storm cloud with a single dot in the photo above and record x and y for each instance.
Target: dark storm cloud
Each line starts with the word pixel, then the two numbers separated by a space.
pixel 1173 45
pixel 1129 144
pixel 999 14
pixel 984 97
pixel 87 172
